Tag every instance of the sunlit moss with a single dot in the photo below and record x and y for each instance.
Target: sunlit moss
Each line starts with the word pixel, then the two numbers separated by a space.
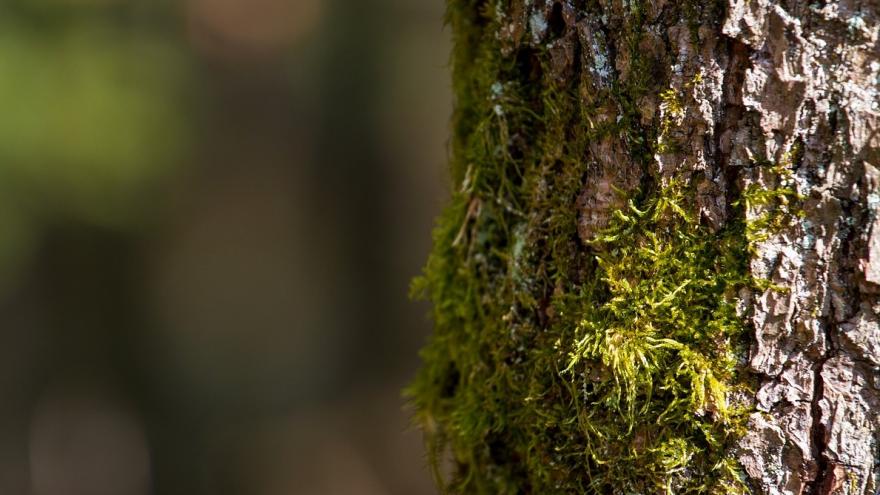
pixel 672 113
pixel 663 335
pixel 771 208
pixel 563 366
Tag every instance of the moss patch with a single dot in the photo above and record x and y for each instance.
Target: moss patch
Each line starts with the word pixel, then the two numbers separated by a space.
pixel 562 366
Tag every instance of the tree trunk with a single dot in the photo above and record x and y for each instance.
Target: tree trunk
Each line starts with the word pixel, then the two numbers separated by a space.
pixel 660 268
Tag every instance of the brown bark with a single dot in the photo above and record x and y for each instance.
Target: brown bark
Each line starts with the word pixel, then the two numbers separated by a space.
pixel 812 79
pixel 776 77
pixel 792 81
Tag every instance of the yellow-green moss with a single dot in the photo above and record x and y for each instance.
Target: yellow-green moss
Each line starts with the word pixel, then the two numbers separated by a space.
pixel 659 341
pixel 774 206
pixel 560 367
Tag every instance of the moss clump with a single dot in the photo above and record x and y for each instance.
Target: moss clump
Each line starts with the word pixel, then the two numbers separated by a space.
pixel 771 208
pixel 559 366
pixel 657 347
pixel 672 113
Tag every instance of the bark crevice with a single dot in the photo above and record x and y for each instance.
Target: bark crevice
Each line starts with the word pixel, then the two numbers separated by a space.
pixel 822 483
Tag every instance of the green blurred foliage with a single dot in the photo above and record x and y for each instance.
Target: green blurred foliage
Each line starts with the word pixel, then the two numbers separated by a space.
pixel 94 115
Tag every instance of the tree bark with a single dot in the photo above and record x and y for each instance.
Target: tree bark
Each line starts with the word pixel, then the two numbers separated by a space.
pixel 644 191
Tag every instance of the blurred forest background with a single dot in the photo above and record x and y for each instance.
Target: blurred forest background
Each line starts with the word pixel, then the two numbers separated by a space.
pixel 210 211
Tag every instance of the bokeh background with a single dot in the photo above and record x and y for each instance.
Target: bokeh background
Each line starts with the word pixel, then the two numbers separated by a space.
pixel 210 211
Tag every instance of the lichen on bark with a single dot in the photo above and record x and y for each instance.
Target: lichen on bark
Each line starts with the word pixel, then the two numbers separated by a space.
pixel 642 282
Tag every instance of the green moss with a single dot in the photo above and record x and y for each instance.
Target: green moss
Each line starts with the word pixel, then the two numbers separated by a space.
pixel 773 207
pixel 672 112
pixel 563 367
pixel 660 337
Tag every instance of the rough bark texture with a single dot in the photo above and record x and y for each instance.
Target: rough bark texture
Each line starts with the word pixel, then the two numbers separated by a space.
pixel 812 79
pixel 567 112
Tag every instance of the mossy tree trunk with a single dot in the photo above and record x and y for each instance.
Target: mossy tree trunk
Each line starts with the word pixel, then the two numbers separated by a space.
pixel 660 268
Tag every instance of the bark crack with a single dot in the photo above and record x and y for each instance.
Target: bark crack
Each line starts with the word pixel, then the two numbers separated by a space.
pixel 820 485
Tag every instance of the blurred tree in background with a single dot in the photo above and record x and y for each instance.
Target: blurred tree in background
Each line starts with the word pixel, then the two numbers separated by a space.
pixel 209 213
pixel 94 114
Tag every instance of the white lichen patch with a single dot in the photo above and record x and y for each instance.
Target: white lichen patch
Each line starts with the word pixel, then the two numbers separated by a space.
pixel 537 26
